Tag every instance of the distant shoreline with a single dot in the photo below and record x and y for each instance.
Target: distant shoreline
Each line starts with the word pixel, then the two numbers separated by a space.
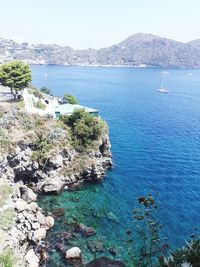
pixel 114 66
pixel 95 66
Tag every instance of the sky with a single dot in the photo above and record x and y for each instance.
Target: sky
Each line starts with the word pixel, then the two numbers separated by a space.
pixel 83 24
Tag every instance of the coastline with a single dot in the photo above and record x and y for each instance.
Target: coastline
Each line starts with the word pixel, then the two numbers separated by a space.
pixel 26 179
pixel 114 66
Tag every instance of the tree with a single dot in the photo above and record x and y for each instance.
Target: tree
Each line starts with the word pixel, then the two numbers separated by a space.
pixel 16 75
pixel 85 128
pixel 45 90
pixel 70 99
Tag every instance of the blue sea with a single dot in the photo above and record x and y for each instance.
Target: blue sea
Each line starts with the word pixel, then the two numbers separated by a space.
pixel 155 141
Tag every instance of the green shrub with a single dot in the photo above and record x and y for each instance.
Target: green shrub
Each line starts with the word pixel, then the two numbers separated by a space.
pixel 33 90
pixel 70 99
pixel 45 90
pixel 85 128
pixel 6 259
pixel 42 147
pixel 37 94
pixel 39 105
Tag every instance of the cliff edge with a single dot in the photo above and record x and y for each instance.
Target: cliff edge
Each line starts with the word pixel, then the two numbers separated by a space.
pixel 40 155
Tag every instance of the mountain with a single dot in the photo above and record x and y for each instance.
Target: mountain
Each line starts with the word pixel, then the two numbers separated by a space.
pixel 195 44
pixel 138 50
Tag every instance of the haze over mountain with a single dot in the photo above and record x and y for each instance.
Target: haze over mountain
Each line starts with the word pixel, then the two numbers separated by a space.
pixel 137 50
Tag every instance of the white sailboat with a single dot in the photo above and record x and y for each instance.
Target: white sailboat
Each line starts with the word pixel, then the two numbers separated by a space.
pixel 162 89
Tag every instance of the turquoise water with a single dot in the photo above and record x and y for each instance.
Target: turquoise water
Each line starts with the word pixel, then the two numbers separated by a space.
pixel 155 144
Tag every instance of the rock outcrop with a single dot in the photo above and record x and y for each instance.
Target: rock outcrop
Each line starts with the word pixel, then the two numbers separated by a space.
pixel 65 168
pixel 19 167
pixel 27 230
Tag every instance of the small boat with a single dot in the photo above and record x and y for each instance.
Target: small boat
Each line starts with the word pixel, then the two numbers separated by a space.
pixel 162 90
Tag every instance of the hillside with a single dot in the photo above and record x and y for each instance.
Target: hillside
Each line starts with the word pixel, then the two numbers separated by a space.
pixel 137 50
pixel 195 44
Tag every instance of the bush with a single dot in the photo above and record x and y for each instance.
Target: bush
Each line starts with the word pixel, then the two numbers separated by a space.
pixel 39 105
pixel 85 128
pixel 70 99
pixel 42 147
pixel 37 94
pixel 45 90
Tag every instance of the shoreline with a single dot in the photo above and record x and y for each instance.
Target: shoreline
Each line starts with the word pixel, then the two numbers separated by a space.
pixel 113 66
pixel 28 178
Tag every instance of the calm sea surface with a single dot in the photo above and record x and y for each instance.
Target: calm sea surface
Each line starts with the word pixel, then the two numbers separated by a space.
pixel 156 148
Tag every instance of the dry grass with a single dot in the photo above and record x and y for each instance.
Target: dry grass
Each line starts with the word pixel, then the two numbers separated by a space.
pixel 5 192
pixel 6 218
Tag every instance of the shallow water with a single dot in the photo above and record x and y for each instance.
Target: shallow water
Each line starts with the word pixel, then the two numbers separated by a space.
pixel 155 144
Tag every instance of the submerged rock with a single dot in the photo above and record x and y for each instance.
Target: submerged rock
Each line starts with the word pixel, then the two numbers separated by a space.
pixel 73 253
pixel 105 262
pixel 113 251
pixel 85 231
pixel 111 216
pixel 58 212
pixel 96 246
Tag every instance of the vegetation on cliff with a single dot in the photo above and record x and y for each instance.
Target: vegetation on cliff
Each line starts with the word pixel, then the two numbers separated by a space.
pixel 85 129
pixel 43 154
pixel 45 90
pixel 70 99
pixel 77 135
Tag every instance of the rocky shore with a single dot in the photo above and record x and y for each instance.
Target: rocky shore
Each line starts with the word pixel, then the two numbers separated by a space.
pixel 24 178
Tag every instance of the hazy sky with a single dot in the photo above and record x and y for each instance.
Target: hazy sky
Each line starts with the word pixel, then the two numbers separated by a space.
pixel 97 23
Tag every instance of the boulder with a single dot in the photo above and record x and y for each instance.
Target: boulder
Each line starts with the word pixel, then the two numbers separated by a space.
pixel 21 205
pixel 33 206
pixel 73 253
pixel 35 226
pixel 39 234
pixel 49 222
pixel 53 185
pixel 56 162
pixel 31 259
pixel 40 218
pixel 27 194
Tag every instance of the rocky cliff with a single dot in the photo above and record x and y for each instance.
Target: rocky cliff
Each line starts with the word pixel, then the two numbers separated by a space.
pixel 38 157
